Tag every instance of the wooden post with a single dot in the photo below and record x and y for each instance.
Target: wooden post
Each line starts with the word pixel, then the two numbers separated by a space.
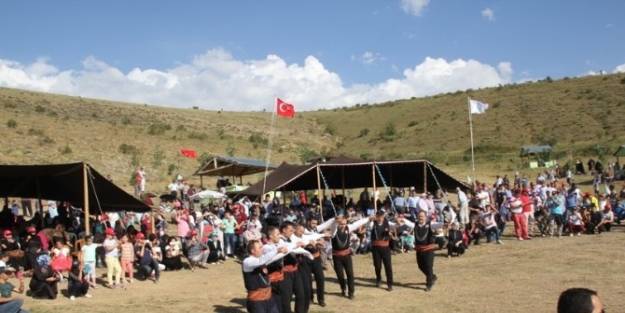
pixel 85 198
pixel 375 200
pixel 425 177
pixel 153 219
pixel 201 181
pixel 319 192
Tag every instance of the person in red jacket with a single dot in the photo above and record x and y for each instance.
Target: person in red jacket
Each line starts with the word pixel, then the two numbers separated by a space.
pixel 520 223
pixel 528 211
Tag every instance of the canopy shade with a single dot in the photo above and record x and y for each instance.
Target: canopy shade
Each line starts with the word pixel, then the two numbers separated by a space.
pixel 228 166
pixel 64 182
pixel 357 174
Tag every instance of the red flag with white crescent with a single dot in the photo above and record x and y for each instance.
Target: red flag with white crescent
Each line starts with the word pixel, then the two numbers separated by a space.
pixel 284 109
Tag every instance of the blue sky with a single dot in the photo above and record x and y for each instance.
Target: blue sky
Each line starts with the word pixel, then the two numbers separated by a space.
pixel 364 43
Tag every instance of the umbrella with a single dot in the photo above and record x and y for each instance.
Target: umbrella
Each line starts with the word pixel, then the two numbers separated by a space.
pixel 204 194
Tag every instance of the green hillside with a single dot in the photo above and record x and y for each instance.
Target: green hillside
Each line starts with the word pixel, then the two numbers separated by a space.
pixel 115 137
pixel 582 117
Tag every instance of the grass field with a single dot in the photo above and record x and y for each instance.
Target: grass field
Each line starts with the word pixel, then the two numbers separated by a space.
pixel 515 277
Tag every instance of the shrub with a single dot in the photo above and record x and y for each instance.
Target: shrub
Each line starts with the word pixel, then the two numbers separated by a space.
pixel 157 158
pixel 389 132
pixel 46 140
pixel 171 168
pixel 180 128
pixel 623 81
pixel 363 132
pixel 125 120
pixel 230 150
pixel 330 129
pixel 35 132
pixel 413 123
pixel 221 133
pixel 11 123
pixel 258 139
pixel 305 154
pixel 197 135
pixel 66 150
pixel 40 109
pixel 128 149
pixel 158 128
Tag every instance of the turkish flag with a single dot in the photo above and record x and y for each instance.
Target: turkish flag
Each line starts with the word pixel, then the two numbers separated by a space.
pixel 284 109
pixel 188 153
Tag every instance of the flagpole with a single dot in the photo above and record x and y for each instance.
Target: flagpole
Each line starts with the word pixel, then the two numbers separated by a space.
pixel 471 133
pixel 269 144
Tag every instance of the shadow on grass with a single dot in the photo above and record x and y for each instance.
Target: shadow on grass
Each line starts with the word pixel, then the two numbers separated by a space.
pixel 238 306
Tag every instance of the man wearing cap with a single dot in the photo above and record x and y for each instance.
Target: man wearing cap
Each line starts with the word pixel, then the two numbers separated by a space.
pixel 380 249
pixel 256 279
pixel 341 251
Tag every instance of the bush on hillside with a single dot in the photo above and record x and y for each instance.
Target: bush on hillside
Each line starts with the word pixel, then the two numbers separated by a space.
pixel 158 128
pixel 363 132
pixel 127 149
pixel 125 120
pixel 11 123
pixel 389 132
pixel 66 150
pixel 230 150
pixel 198 136
pixel 257 140
pixel 305 154
pixel 157 158
pixel 40 109
pixel 330 129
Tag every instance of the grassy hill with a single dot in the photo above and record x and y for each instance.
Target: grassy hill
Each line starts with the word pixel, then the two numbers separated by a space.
pixel 115 137
pixel 582 117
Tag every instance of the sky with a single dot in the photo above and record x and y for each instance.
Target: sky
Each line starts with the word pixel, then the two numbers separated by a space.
pixel 240 55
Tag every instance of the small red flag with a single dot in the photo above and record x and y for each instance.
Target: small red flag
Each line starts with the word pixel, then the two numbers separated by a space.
pixel 188 153
pixel 284 109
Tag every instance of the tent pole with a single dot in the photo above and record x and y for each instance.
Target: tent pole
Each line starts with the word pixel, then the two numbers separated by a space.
pixel 86 198
pixel 425 177
pixel 319 192
pixel 201 181
pixel 343 185
pixel 375 200
pixel 153 228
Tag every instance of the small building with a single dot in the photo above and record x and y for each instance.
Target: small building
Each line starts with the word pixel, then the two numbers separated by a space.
pixel 537 156
pixel 221 166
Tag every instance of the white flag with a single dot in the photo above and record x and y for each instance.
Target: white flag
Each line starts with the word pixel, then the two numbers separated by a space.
pixel 477 107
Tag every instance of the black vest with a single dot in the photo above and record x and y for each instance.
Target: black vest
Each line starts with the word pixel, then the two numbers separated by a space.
pixel 256 279
pixel 423 235
pixel 380 232
pixel 340 241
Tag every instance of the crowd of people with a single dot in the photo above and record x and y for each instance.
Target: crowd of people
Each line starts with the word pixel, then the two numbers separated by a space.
pixel 285 247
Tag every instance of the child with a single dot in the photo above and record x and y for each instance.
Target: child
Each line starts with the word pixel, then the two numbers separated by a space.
pixel 128 259
pixel 77 285
pixel 7 302
pixel 89 260
pixel 113 268
pixel 61 260
pixel 576 224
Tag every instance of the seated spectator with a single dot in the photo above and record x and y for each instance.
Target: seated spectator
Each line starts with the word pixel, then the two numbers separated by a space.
pixel 197 251
pixel 607 218
pixel 9 303
pixel 77 285
pixel 455 243
pixel 61 259
pixel 148 263
pixel 580 300
pixel 173 255
pixel 575 222
pixel 43 284
pixel 489 224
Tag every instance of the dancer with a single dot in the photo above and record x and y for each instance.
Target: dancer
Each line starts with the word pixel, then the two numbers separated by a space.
pixel 341 252
pixel 425 246
pixel 257 283
pixel 380 249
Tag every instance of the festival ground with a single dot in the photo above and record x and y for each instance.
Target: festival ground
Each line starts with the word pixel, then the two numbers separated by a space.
pixel 518 276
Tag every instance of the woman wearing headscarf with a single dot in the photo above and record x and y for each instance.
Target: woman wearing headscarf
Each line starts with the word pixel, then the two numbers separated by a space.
pixel 44 281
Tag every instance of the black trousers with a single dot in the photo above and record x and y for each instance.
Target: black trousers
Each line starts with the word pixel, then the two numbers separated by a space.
pixel 382 255
pixel 343 267
pixel 316 269
pixel 268 306
pixel 303 274
pixel 292 285
pixel 452 248
pixel 77 288
pixel 425 261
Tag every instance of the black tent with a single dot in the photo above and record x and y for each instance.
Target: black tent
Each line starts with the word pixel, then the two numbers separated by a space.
pixel 345 173
pixel 65 182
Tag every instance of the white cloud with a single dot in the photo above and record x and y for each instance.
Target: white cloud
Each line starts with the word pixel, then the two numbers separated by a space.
pixel 217 80
pixel 488 14
pixel 620 69
pixel 369 57
pixel 414 7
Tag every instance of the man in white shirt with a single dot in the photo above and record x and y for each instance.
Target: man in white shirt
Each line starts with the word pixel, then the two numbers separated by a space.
pixel 463 203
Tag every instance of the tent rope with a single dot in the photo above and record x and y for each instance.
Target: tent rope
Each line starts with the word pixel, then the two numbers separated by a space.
pixel 325 183
pixel 385 187
pixel 436 180
pixel 97 199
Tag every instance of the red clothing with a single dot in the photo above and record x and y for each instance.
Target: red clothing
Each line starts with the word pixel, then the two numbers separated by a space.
pixel 240 216
pixel 302 198
pixel 520 225
pixel 526 203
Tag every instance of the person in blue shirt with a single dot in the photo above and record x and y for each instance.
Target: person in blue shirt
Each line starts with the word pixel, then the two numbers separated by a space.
pixel 556 204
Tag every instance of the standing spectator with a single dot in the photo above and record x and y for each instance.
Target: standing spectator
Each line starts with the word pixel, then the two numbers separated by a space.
pixel 139 181
pixel 228 225
pixel 89 260
pixel 111 250
pixel 463 203
pixel 127 259
pixel 520 223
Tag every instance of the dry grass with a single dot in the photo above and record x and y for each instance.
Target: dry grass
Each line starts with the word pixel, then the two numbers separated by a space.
pixel 516 277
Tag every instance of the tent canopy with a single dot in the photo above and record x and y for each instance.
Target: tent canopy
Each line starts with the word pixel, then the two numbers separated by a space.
pixel 65 182
pixel 229 166
pixel 531 150
pixel 357 174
